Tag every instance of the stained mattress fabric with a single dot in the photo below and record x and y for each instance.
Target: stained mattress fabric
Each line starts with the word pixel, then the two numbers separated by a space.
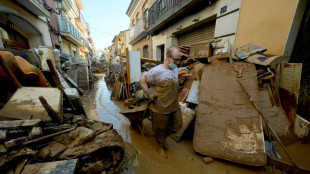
pixel 227 125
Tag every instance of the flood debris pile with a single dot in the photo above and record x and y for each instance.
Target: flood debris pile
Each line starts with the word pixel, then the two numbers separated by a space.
pixel 242 104
pixel 43 125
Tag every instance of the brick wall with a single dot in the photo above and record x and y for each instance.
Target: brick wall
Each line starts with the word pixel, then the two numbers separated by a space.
pixel 53 22
pixel 141 44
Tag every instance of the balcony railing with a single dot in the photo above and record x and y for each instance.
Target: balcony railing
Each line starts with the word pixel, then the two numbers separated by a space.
pixel 86 44
pixel 138 31
pixel 160 8
pixel 66 26
pixel 35 6
pixel 81 23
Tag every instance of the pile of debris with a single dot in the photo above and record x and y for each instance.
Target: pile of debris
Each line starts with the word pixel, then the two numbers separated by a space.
pixel 78 144
pixel 44 127
pixel 239 102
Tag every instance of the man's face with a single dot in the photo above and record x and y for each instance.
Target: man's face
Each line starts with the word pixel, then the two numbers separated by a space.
pixel 175 57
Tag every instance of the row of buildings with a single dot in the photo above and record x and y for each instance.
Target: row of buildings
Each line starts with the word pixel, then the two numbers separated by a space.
pixel 156 25
pixel 280 26
pixel 26 24
pixel 159 24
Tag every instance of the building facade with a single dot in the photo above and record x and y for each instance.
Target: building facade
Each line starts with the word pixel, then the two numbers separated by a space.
pixel 239 22
pixel 138 12
pixel 24 24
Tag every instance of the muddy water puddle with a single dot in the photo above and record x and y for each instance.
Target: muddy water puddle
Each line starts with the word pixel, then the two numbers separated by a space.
pixel 141 151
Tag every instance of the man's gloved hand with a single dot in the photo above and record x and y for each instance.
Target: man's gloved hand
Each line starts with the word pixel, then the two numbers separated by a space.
pixel 151 95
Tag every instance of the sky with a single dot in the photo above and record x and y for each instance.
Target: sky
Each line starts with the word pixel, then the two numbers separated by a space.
pixel 106 19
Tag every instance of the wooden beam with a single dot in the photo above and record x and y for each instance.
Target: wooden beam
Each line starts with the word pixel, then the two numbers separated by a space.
pixel 150 61
pixel 127 66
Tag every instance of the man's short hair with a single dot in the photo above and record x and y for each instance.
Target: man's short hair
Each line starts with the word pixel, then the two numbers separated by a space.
pixel 169 51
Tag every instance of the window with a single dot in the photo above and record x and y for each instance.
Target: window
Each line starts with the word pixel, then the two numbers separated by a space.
pixel 137 17
pixel 12 39
pixel 145 51
pixel 160 52
pixel 133 22
pixel 4 34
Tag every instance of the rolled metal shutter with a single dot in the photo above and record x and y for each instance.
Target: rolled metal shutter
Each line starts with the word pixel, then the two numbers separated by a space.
pixel 196 35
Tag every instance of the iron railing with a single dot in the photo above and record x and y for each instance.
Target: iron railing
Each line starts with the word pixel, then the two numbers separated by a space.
pixel 160 8
pixel 66 26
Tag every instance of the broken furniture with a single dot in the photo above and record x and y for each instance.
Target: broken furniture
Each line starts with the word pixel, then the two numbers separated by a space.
pixel 25 103
pixel 227 125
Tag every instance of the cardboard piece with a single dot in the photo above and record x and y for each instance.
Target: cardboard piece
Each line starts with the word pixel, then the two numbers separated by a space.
pixel 265 60
pixel 275 115
pixel 248 50
pixel 200 50
pixel 192 96
pixel 227 125
pixel 187 115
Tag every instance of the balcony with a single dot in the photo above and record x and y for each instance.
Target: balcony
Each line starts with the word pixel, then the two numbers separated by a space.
pixel 86 47
pixel 69 5
pixel 35 6
pixel 68 31
pixel 138 31
pixel 164 13
pixel 80 23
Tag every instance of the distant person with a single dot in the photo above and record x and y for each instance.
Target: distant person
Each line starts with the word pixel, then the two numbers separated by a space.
pixel 161 86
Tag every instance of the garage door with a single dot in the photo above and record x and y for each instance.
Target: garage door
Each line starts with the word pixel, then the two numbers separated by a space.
pixel 199 34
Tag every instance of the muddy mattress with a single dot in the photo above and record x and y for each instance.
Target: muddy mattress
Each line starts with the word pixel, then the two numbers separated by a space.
pixel 227 125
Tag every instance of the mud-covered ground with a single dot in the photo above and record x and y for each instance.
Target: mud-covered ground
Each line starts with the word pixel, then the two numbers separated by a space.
pixel 141 151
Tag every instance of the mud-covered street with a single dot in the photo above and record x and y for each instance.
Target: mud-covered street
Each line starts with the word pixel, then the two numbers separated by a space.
pixel 141 152
pixel 154 86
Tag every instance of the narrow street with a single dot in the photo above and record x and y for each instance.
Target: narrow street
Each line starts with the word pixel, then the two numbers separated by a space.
pixel 141 153
pixel 154 86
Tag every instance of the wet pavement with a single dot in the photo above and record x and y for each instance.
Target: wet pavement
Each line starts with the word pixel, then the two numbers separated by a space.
pixel 141 151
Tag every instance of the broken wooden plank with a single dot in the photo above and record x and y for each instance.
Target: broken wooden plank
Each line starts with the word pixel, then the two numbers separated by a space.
pixel 50 111
pixel 57 82
pixel 18 123
pixel 82 91
pixel 150 61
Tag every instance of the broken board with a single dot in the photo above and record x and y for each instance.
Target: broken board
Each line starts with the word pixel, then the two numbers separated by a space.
pixel 192 96
pixel 25 104
pixel 46 52
pixel 227 125
pixel 187 115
